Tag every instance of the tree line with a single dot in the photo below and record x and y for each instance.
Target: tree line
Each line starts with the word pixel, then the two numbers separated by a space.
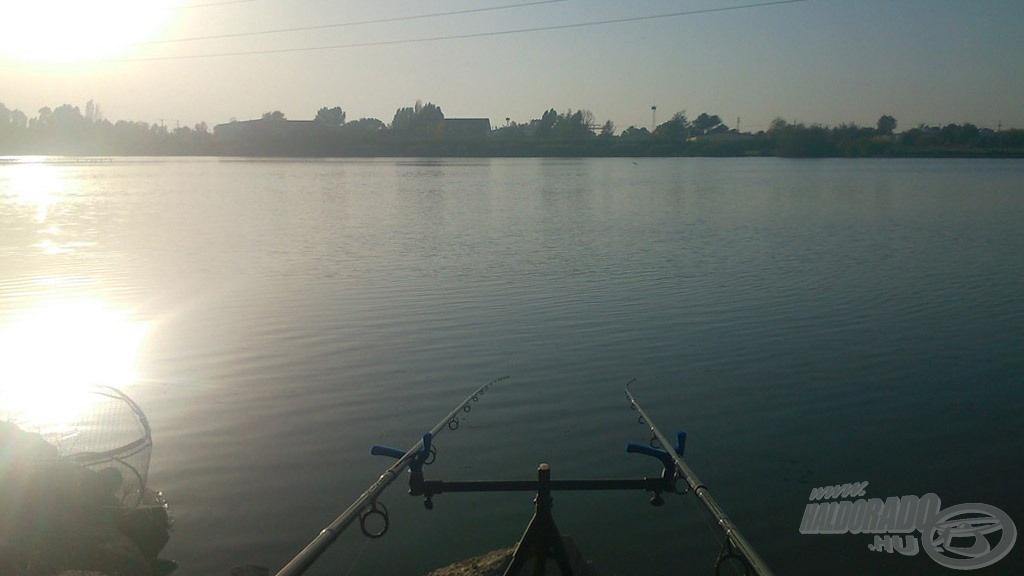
pixel 421 130
pixel 66 130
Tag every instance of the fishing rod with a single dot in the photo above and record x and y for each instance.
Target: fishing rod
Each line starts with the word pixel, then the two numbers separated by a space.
pixel 366 505
pixel 736 546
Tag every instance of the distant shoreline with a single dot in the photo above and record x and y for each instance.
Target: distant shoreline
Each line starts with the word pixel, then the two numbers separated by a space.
pixel 424 131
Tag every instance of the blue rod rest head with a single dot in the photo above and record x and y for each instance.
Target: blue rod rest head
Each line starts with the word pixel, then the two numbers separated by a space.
pixel 661 455
pixel 423 456
pixel 680 442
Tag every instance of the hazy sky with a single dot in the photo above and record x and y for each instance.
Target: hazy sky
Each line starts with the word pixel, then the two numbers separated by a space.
pixel 815 61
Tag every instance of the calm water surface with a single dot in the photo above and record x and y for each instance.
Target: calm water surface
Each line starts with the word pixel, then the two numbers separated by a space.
pixel 807 322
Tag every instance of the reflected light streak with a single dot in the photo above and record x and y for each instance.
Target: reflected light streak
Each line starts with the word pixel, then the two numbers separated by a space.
pixel 34 184
pixel 50 357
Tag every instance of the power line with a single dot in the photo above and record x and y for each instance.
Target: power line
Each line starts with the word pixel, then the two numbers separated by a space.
pixel 465 36
pixel 343 24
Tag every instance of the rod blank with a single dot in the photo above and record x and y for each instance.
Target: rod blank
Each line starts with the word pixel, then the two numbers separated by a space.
pixel 304 559
pixel 732 534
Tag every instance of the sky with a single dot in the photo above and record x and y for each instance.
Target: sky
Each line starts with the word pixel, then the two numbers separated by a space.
pixel 812 61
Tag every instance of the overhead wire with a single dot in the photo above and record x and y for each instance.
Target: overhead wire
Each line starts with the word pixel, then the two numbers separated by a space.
pixel 467 35
pixel 346 24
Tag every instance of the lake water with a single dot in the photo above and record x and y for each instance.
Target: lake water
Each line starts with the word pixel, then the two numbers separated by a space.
pixel 808 323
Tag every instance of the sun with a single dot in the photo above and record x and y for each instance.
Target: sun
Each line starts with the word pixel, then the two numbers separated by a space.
pixel 78 30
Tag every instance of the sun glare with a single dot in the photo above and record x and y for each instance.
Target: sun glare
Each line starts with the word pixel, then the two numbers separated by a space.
pixel 51 355
pixel 78 31
pixel 33 183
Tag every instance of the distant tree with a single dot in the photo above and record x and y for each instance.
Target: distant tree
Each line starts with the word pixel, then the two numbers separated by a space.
pixel 677 128
pixel 970 132
pixel 546 124
pixel 402 120
pixel 574 125
pixel 587 120
pixel 18 119
pixel 422 119
pixel 13 132
pixel 778 125
pixel 92 112
pixel 608 129
pixel 69 129
pixel 1013 138
pixel 428 116
pixel 510 131
pixel 12 118
pixel 364 126
pixel 706 124
pixel 330 116
pixel 634 133
pixel 886 125
pixel 959 135
pixel 44 119
pixel 797 140
pixel 275 115
pixel 67 115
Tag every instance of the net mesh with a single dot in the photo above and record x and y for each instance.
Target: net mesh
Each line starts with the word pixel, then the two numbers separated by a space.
pixel 109 434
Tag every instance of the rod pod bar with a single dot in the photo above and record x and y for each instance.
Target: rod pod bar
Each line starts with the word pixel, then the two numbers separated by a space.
pixel 735 540
pixel 304 559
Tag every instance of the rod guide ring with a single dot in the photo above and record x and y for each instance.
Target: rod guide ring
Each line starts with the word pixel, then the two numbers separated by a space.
pixel 376 509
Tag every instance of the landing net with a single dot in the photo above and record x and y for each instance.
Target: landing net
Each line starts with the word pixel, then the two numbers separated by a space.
pixel 106 433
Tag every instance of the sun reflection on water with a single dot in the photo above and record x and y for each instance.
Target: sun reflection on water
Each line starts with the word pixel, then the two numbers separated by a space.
pixel 35 183
pixel 51 355
pixel 39 184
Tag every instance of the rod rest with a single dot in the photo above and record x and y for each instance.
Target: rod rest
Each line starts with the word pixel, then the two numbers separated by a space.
pixel 662 455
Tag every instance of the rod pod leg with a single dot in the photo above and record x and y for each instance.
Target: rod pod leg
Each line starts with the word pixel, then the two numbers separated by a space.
pixel 542 540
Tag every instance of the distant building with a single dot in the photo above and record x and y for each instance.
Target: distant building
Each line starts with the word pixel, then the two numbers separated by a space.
pixel 271 136
pixel 268 127
pixel 467 128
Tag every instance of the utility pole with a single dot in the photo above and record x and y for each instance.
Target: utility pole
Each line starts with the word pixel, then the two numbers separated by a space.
pixel 654 117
